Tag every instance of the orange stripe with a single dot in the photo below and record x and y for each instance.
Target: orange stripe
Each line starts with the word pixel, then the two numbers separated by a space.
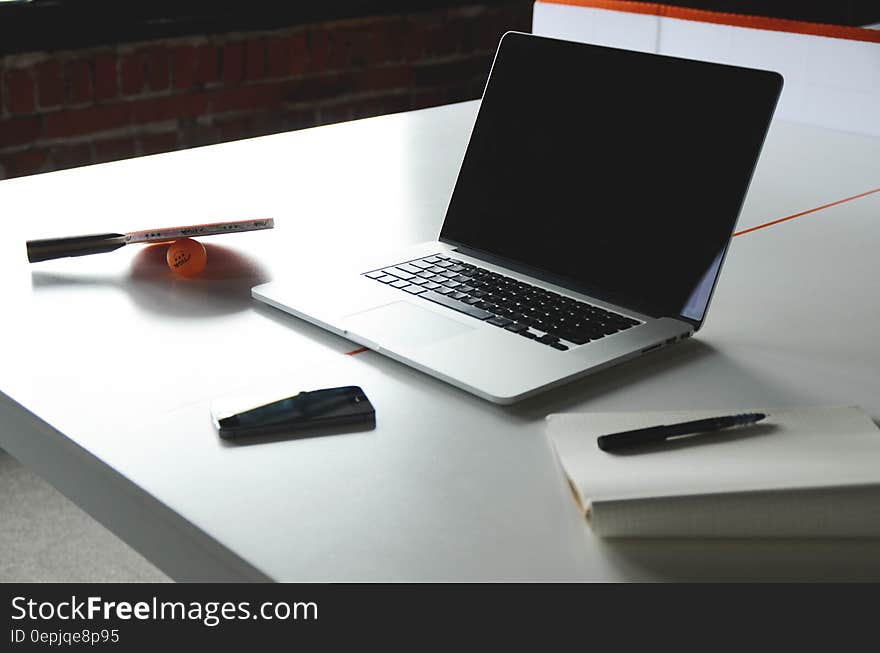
pixel 797 215
pixel 355 352
pixel 723 18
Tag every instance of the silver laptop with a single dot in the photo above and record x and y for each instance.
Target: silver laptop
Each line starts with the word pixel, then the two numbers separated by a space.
pixel 588 224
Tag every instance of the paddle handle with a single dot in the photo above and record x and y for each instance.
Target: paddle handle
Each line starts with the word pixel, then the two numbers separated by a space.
pixel 50 248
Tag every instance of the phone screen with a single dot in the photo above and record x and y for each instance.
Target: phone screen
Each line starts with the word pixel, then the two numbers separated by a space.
pixel 327 407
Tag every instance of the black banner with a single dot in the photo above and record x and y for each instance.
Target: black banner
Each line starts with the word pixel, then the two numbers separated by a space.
pixel 127 617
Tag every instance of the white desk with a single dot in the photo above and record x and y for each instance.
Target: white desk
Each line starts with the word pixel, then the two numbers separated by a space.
pixel 109 366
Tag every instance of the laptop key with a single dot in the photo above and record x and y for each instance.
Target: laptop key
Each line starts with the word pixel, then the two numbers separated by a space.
pixel 418 281
pixel 430 285
pixel 443 290
pixel 375 274
pixel 499 321
pixel 559 346
pixel 415 290
pixel 516 327
pixel 401 274
pixel 412 269
pixel 422 265
pixel 387 279
pixel 400 283
pixel 458 295
pixel 471 300
pixel 430 259
pixel 461 307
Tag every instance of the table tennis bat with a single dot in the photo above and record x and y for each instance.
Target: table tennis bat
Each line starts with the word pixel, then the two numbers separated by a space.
pixel 50 248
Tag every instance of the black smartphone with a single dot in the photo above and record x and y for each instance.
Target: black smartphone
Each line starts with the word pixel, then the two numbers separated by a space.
pixel 306 413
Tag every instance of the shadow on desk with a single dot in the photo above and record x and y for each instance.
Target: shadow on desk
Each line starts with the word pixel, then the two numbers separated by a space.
pixel 224 287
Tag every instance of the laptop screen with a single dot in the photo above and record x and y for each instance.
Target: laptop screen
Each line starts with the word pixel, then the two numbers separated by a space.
pixel 618 173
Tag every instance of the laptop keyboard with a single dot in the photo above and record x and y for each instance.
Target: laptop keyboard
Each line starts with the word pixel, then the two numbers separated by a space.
pixel 540 315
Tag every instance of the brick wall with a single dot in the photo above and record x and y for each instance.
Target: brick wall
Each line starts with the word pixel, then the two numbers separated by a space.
pixel 71 108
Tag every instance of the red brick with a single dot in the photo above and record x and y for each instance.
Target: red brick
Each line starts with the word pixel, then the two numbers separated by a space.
pixel 71 156
pixel 80 88
pixel 169 108
pixel 208 70
pixel 477 35
pixel 338 57
pixel 86 121
pixel 234 128
pixel 426 21
pixel 336 113
pixel 50 88
pixel 319 48
pixel 201 135
pixel 414 42
pixel 360 47
pixel 28 162
pixel 375 79
pixel 260 96
pixel 386 42
pixel 184 67
pixel 132 71
pixel 452 72
pixel 446 40
pixel 324 87
pixel 255 60
pixel 156 143
pixel 233 63
pixel 277 57
pixel 158 73
pixel 268 122
pixel 299 54
pixel 18 131
pixel 298 119
pixel 20 86
pixel 106 87
pixel 378 106
pixel 428 98
pixel 114 149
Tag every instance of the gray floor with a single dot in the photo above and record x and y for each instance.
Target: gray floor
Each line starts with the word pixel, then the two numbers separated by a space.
pixel 46 538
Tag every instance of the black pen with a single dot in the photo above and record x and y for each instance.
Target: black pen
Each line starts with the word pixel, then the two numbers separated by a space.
pixel 637 437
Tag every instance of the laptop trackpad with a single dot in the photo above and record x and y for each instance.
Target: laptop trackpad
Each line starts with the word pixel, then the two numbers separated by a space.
pixel 403 324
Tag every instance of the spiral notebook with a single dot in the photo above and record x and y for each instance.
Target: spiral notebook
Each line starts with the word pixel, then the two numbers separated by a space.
pixel 805 472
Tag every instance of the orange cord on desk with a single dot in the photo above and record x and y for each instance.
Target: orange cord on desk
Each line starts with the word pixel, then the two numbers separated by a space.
pixel 797 215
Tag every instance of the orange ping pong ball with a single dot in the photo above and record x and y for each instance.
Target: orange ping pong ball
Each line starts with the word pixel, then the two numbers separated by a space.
pixel 186 257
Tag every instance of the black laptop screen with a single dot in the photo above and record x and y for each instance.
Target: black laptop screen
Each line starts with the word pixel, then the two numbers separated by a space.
pixel 618 172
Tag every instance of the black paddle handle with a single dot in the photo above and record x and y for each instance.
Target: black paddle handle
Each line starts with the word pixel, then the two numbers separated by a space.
pixel 49 248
